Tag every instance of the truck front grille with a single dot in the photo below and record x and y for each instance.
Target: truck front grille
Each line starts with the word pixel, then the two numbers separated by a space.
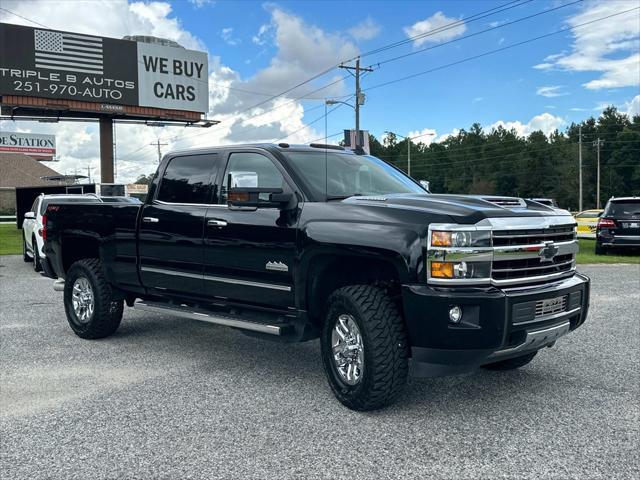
pixel 563 233
pixel 533 255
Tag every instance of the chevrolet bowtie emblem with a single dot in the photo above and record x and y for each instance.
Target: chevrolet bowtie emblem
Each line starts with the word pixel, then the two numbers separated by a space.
pixel 548 252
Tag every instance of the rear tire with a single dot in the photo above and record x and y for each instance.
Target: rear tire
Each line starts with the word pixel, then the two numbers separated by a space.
pixel 91 307
pixel 37 265
pixel 376 327
pixel 600 250
pixel 511 363
pixel 25 255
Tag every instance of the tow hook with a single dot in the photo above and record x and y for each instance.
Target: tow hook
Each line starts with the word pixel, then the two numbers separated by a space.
pixel 58 285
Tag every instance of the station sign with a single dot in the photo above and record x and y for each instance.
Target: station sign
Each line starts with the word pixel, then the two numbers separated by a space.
pixel 36 145
pixel 106 71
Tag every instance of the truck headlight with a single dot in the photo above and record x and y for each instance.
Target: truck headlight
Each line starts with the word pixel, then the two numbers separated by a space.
pixel 461 239
pixel 460 270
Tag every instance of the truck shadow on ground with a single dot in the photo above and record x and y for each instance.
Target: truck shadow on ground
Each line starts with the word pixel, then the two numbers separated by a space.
pixel 297 368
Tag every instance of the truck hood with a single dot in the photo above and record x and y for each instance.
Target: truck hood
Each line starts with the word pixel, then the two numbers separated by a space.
pixel 462 208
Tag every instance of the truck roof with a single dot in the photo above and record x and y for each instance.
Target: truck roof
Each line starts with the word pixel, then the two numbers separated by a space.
pixel 284 147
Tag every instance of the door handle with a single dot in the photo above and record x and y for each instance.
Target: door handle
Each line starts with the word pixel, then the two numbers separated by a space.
pixel 150 220
pixel 217 223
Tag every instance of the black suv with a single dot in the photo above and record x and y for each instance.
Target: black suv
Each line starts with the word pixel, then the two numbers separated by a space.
pixel 619 225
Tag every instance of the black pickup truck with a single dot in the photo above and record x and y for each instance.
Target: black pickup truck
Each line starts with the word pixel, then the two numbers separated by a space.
pixel 299 242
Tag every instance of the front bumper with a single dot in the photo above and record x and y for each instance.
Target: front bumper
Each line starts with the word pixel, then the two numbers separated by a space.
pixel 497 323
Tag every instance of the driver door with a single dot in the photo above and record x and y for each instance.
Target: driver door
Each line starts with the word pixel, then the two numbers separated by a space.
pixel 249 253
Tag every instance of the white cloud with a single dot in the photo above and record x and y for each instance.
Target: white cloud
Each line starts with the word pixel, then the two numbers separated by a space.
pixel 477 99
pixel 608 47
pixel 227 35
pixel 551 91
pixel 437 22
pixel 633 107
pixel 262 36
pixel 365 30
pixel 200 3
pixel 545 122
pixel 426 136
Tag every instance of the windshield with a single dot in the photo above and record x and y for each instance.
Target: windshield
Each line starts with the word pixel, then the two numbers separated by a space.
pixel 341 175
pixel 624 208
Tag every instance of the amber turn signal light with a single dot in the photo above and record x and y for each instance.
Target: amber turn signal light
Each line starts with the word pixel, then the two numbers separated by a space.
pixel 238 197
pixel 440 239
pixel 441 270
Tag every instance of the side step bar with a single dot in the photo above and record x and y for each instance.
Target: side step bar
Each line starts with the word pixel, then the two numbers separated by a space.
pixel 212 317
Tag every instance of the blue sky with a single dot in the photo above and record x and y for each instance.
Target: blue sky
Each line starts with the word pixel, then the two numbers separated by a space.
pixel 258 48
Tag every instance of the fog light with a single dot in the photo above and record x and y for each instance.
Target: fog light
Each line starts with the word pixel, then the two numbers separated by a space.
pixel 455 314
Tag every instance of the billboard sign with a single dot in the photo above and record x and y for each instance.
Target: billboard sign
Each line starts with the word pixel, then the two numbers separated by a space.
pixel 37 146
pixel 61 65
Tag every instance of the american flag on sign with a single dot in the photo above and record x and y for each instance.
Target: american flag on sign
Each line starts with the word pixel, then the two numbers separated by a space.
pixel 68 52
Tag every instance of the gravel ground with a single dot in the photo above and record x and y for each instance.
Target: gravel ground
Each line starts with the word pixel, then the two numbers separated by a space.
pixel 171 398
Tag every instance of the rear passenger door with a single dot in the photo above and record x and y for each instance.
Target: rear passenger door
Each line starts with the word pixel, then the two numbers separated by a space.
pixel 171 226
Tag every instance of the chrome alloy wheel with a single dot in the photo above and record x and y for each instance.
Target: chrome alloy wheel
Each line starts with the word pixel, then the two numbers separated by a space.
pixel 348 350
pixel 82 298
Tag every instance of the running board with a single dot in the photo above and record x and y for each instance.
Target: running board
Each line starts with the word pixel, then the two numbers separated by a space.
pixel 212 317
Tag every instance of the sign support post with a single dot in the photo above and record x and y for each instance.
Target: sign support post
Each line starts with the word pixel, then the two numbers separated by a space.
pixel 106 150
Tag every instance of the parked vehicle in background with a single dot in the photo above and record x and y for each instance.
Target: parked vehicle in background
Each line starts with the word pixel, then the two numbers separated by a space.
pixel 32 239
pixel 549 202
pixel 588 222
pixel 294 243
pixel 619 225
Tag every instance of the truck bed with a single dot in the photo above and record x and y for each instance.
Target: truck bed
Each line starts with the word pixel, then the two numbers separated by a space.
pixel 108 228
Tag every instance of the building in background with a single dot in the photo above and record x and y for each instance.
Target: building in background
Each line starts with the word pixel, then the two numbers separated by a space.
pixel 20 170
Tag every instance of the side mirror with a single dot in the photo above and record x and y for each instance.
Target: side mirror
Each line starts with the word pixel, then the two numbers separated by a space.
pixel 30 215
pixel 247 197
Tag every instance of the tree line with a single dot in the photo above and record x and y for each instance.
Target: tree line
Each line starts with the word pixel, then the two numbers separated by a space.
pixel 501 162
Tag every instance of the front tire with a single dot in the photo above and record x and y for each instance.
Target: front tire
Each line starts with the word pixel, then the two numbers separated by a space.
pixel 91 307
pixel 364 347
pixel 511 363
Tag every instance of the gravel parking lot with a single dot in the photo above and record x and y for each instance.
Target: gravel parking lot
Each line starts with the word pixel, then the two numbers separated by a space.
pixel 172 398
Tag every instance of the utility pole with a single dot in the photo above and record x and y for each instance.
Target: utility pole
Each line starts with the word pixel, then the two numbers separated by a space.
pixel 158 144
pixel 580 167
pixel 408 156
pixel 597 144
pixel 359 94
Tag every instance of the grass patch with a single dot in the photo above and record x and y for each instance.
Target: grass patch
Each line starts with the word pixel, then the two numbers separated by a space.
pixel 587 254
pixel 10 240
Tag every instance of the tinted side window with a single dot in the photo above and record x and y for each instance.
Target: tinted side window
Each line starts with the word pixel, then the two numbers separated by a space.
pixel 187 179
pixel 34 207
pixel 251 170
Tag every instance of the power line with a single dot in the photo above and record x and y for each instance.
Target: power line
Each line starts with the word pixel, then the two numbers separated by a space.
pixel 518 20
pixel 306 125
pixel 472 162
pixel 448 26
pixel 25 18
pixel 497 50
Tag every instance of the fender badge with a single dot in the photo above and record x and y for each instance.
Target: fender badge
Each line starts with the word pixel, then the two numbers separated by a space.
pixel 277 266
